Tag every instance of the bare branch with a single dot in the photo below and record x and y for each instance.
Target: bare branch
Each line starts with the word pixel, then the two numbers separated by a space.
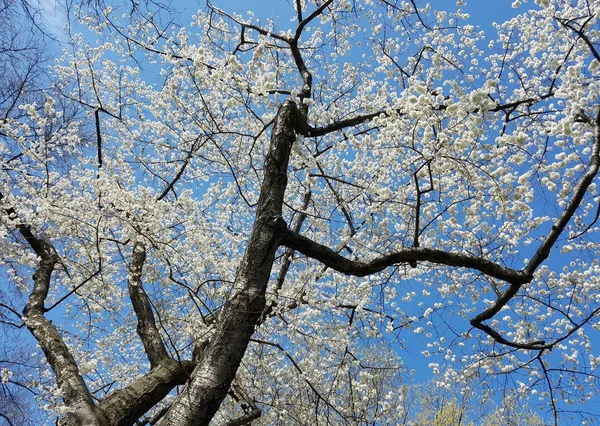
pixel 299 10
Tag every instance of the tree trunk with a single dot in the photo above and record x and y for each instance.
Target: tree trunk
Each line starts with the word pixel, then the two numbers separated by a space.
pixel 217 367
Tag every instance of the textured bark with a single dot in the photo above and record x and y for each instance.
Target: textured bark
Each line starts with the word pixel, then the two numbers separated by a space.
pixel 123 407
pixel 211 379
pixel 75 394
pixel 146 326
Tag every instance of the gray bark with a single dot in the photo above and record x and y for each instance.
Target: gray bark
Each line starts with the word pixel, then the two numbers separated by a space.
pixel 146 327
pixel 75 394
pixel 125 406
pixel 122 407
pixel 211 379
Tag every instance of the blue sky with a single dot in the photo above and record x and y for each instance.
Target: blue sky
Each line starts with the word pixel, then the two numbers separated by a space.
pixel 483 13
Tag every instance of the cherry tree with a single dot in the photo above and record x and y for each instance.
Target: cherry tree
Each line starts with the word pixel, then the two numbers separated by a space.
pixel 254 220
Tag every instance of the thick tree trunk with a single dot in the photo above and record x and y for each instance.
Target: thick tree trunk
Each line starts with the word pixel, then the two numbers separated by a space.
pixel 217 367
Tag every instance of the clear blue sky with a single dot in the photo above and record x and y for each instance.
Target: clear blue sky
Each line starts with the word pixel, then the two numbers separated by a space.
pixel 482 12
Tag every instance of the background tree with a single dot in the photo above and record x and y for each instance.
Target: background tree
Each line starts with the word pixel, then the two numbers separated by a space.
pixel 455 404
pixel 273 206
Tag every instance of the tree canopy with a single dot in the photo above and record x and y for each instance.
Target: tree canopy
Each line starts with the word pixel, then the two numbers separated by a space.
pixel 255 219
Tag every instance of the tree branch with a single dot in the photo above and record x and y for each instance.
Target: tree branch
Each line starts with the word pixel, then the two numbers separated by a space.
pixel 245 419
pixel 582 35
pixel 98 138
pixel 341 264
pixel 74 290
pixel 124 406
pixel 146 327
pixel 74 391
pixel 303 23
pixel 221 358
pixel 579 192
pixel 287 258
pixel 307 130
